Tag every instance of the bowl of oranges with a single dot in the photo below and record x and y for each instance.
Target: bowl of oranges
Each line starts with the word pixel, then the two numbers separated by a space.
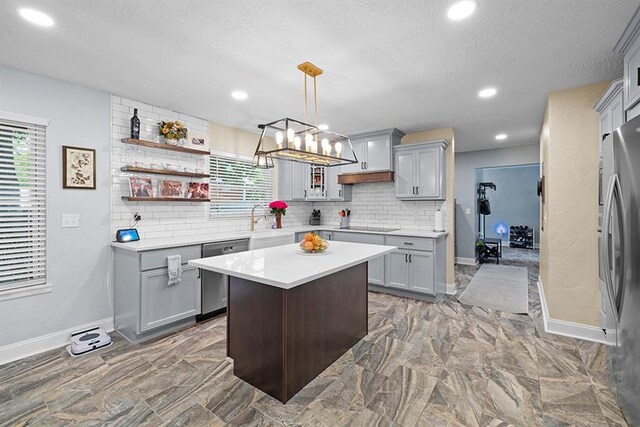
pixel 313 244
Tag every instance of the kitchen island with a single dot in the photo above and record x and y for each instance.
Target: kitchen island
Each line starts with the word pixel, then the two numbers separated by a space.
pixel 290 315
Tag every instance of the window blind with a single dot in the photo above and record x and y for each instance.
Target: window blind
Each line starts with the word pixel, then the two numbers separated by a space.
pixel 22 204
pixel 236 186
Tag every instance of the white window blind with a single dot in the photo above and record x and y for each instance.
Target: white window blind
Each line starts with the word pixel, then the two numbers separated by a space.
pixel 22 204
pixel 236 186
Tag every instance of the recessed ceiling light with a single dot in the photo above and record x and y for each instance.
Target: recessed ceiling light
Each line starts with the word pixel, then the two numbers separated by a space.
pixel 240 95
pixel 323 127
pixel 487 92
pixel 36 17
pixel 501 136
pixel 461 9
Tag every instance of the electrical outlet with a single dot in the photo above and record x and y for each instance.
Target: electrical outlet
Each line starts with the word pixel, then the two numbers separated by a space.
pixel 70 220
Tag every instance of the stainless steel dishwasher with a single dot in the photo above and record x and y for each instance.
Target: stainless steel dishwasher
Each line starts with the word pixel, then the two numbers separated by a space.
pixel 214 285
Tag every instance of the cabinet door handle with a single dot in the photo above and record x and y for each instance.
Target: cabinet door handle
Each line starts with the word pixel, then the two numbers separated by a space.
pixel 408 243
pixel 406 258
pixel 305 194
pixel 417 190
pixel 366 166
pixel 409 257
pixel 339 193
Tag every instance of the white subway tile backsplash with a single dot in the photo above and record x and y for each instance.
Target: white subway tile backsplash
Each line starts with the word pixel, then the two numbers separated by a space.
pixel 160 219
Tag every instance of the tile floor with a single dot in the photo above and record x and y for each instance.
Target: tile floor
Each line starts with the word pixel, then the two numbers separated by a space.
pixel 421 364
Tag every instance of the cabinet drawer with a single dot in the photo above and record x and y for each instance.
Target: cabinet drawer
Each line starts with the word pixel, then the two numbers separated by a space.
pixel 369 239
pixel 158 258
pixel 415 243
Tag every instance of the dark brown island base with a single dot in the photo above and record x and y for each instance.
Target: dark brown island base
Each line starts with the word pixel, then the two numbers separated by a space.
pixel 286 325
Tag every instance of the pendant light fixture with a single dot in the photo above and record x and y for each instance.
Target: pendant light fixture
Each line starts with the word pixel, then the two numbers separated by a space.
pixel 299 141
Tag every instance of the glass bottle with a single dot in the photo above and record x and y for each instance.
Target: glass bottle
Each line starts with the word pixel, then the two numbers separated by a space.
pixel 135 125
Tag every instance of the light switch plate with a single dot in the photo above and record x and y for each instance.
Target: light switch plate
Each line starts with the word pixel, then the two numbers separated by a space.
pixel 467 211
pixel 70 220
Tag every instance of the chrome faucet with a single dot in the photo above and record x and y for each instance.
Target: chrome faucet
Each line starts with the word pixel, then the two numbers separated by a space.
pixel 254 220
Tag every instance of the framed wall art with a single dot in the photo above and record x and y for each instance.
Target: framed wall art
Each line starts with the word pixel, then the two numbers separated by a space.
pixel 78 168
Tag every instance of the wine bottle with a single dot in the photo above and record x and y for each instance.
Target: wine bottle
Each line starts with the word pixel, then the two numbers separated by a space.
pixel 135 125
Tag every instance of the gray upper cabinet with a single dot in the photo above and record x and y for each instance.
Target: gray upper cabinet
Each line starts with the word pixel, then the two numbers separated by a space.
pixel 629 47
pixel 405 174
pixel 337 192
pixel 302 182
pixel 374 150
pixel 610 108
pixel 358 145
pixel 421 171
pixel 292 180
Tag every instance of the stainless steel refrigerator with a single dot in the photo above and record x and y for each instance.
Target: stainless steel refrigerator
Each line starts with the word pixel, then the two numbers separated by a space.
pixel 621 262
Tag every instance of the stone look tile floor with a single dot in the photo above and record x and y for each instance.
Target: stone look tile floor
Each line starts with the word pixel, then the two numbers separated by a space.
pixel 421 364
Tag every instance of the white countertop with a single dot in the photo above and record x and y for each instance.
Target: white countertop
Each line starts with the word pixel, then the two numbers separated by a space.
pixel 173 242
pixel 285 267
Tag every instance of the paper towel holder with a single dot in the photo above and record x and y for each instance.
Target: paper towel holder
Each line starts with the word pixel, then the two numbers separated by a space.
pixel 435 226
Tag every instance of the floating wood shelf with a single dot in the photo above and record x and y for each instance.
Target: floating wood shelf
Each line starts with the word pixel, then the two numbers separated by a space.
pixel 362 177
pixel 162 199
pixel 152 144
pixel 163 172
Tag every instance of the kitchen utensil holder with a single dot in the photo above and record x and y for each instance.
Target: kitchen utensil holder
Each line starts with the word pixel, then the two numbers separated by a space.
pixel 344 222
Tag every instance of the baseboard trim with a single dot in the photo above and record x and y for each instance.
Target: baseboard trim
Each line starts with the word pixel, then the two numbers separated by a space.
pixel 466 261
pixel 565 328
pixel 452 288
pixel 33 346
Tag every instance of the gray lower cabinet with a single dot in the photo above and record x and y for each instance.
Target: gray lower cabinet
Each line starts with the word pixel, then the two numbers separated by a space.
pixel 421 274
pixel 411 270
pixel 161 304
pixel 375 266
pixel 145 305
pixel 398 270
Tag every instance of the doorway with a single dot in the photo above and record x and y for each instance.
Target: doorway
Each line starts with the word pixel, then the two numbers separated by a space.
pixel 508 213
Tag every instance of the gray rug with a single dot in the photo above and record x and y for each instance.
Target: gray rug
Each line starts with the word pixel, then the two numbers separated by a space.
pixel 499 287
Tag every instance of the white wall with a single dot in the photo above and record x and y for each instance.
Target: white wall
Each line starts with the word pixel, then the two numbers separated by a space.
pixel 465 187
pixel 77 258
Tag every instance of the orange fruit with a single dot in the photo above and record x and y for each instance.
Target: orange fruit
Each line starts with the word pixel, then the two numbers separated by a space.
pixel 309 237
pixel 308 246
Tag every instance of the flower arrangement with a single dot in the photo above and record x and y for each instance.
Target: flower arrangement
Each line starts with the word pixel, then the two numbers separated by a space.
pixel 278 207
pixel 173 130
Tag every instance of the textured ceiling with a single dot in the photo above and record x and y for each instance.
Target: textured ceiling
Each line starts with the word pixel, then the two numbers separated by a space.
pixel 387 63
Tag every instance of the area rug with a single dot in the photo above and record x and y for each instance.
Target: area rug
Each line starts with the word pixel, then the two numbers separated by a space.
pixel 499 287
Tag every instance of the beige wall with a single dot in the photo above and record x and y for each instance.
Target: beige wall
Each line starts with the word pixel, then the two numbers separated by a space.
pixel 569 239
pixel 448 134
pixel 232 140
pixel 237 141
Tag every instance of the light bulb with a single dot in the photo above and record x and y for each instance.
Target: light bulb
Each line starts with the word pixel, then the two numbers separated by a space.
pixel 279 139
pixel 338 147
pixel 308 140
pixel 297 142
pixel 290 135
pixel 326 148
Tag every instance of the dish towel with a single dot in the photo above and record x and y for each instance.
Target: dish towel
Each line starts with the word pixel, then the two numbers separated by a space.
pixel 174 263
